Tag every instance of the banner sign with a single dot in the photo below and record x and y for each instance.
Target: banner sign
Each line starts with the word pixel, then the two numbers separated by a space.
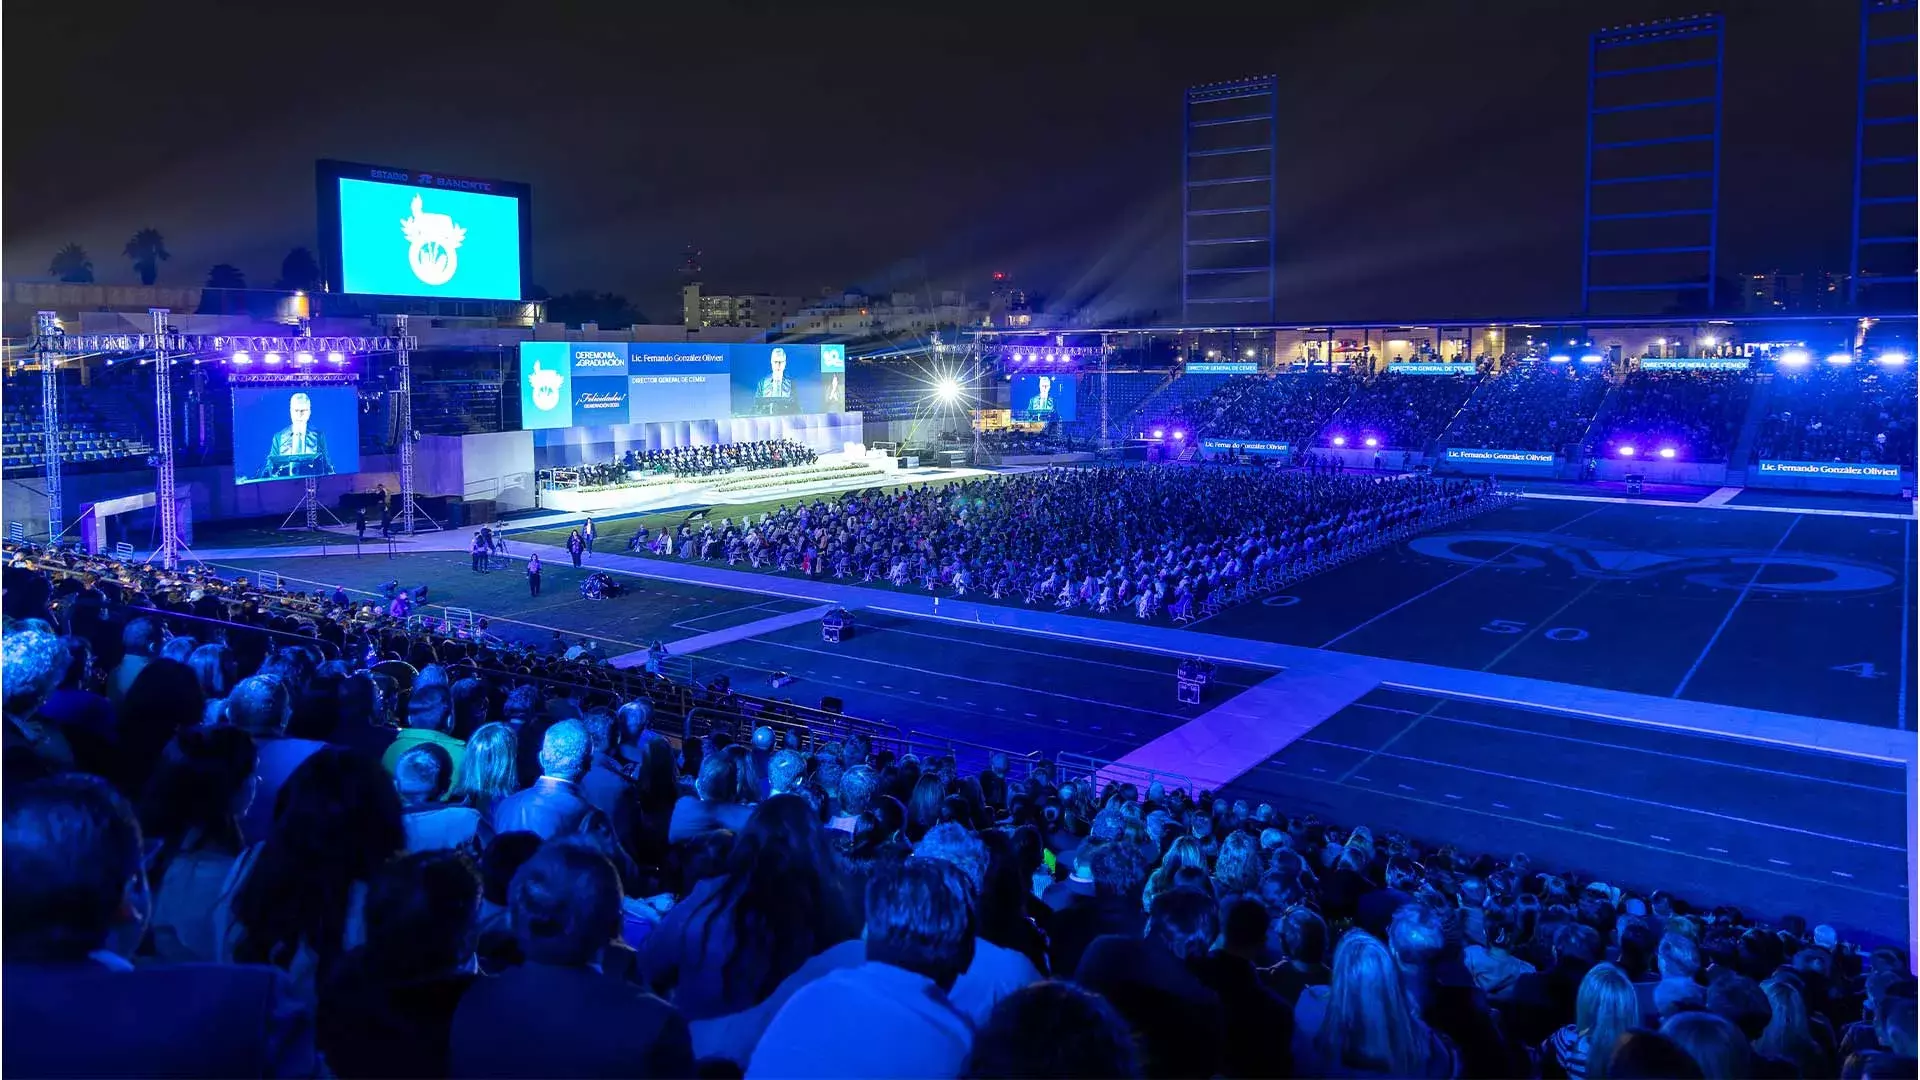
pixel 1531 460
pixel 1417 367
pixel 1244 446
pixel 1223 367
pixel 1732 363
pixel 1832 475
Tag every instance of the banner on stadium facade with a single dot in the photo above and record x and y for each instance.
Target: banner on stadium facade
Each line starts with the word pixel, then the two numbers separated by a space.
pixel 1244 446
pixel 1827 475
pixel 1223 367
pixel 1730 363
pixel 1436 367
pixel 1502 460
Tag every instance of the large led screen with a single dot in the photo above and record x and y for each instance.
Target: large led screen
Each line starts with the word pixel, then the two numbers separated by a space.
pixel 596 384
pixel 1040 398
pixel 396 232
pixel 294 432
pixel 676 382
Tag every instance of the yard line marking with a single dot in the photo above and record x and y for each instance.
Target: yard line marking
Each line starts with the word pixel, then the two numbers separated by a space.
pixel 1719 850
pixel 1662 839
pixel 1779 862
pixel 1034 714
pixel 1731 611
pixel 1502 806
pixel 1422 595
pixel 1406 787
pixel 915 693
pixel 1451 795
pixel 862 682
pixel 1615 795
pixel 1367 779
pixel 1841 873
pixel 1317 768
pixel 1551 814
pixel 1604 825
pixel 943 697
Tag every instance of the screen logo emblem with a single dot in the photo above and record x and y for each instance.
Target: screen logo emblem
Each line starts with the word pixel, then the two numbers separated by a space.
pixel 435 246
pixel 546 387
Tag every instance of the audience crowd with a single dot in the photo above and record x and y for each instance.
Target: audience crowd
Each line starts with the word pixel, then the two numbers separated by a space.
pixel 693 461
pixel 1404 412
pixel 1289 407
pixel 1840 414
pixel 1533 405
pixel 221 863
pixel 1149 539
pixel 1697 414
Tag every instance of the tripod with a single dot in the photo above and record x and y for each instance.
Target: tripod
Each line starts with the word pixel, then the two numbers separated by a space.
pixel 310 509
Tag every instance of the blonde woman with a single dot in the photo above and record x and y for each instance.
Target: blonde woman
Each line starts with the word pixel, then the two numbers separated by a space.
pixel 488 771
pixel 1607 1008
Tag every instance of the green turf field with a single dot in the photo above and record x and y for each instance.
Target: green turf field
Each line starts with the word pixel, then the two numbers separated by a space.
pixel 613 532
pixel 652 610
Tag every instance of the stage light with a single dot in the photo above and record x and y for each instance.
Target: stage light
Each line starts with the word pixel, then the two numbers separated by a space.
pixel 1249 354
pixel 273 359
pixel 1339 440
pixel 336 359
pixel 303 359
pixel 1892 357
pixel 1667 452
pixel 242 359
pixel 1707 341
pixel 1626 451
pixel 1371 441
pixel 1592 358
pixel 1841 358
pixel 1178 435
pixel 1159 433
pixel 1559 358
pixel 947 390
pixel 1795 358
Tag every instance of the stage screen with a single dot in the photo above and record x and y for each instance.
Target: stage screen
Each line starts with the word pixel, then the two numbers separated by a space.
pixel 1040 398
pixel 393 232
pixel 292 432
pixel 677 382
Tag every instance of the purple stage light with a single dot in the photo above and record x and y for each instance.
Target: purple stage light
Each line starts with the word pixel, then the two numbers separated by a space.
pixel 336 359
pixel 242 359
pixel 273 359
pixel 1159 433
pixel 1372 442
pixel 1339 440
pixel 1178 435
pixel 1626 451
pixel 303 359
pixel 1667 452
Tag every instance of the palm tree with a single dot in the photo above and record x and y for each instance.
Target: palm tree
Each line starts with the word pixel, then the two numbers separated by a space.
pixel 147 249
pixel 72 263
pixel 226 276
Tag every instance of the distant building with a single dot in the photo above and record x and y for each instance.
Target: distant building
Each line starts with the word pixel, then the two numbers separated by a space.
pixel 1775 292
pixel 1007 303
pixel 759 311
pixel 855 314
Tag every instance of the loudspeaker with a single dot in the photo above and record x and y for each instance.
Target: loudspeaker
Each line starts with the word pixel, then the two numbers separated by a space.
pixel 829 703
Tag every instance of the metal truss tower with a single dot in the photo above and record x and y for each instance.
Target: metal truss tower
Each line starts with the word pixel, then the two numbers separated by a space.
pixel 1229 210
pixel 164 487
pixel 1654 94
pixel 46 325
pixel 1885 224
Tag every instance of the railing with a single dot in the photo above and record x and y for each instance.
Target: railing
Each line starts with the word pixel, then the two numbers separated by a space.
pixel 978 755
pixel 1106 771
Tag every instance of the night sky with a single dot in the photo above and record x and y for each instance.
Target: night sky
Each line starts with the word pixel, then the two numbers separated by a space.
pixel 1431 163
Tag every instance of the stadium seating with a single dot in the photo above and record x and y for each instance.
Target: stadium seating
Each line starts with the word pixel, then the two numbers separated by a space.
pixel 885 391
pixel 100 423
pixel 1532 405
pixel 1850 413
pixel 1696 414
pixel 1403 412
pixel 719 844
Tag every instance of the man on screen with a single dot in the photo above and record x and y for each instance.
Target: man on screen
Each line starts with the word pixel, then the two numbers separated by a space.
pixel 297 450
pixel 774 395
pixel 1040 405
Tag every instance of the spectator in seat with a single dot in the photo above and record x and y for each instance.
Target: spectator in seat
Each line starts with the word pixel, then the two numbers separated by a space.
pixel 191 816
pixel 140 642
pixel 82 715
pixel 728 945
pixel 1178 1020
pixel 890 1016
pixel 429 719
pixel 722 797
pixel 1788 1036
pixel 1713 1042
pixel 1376 908
pixel 1642 1054
pixel 421 779
pixel 1607 1009
pixel 1077 883
pixel 996 971
pixel 74 897
pixel 1493 965
pixel 490 769
pixel 388 1008
pixel 217 670
pixel 556 1014
pixel 360 726
pixel 1303 944
pixel 553 806
pixel 1677 962
pixel 1539 1004
pixel 163 700
pixel 786 771
pixel 1118 874
pixel 31 664
pixel 1052 1030
pixel 1258 1022
pixel 298 900
pixel 1363 1023
pixel 857 785
pixel 261 707
pixel 1894 1022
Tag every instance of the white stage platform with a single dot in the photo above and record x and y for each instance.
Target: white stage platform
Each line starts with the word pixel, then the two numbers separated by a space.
pixel 704 491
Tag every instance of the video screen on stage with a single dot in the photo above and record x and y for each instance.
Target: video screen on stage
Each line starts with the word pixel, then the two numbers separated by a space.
pixel 394 232
pixel 1040 398
pixel 293 432
pixel 597 384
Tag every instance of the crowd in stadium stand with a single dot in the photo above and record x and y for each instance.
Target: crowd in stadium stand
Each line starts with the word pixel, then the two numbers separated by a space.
pixel 1698 414
pixel 1530 406
pixel 250 857
pixel 1288 407
pixel 1838 413
pixel 1147 540
pixel 1401 411
pixel 710 460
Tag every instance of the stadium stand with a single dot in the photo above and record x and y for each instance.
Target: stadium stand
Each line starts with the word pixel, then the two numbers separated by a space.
pixel 1840 413
pixel 1404 412
pixel 885 391
pixel 100 422
pixel 1697 414
pixel 1126 390
pixel 1531 405
pixel 559 868
pixel 1291 406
